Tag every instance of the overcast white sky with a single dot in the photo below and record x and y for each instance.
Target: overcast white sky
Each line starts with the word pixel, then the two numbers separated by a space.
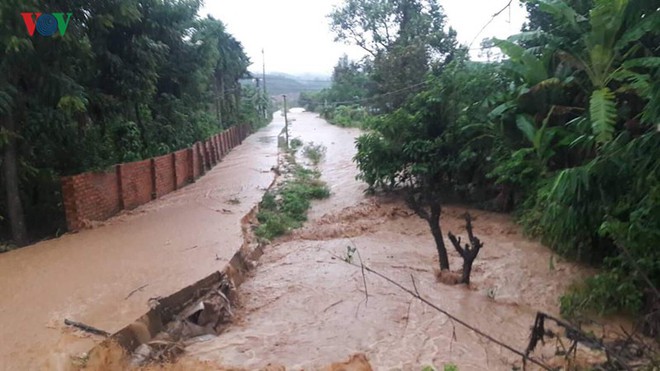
pixel 297 39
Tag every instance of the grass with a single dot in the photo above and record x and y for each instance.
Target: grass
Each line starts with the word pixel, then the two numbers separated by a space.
pixel 285 208
pixel 295 143
pixel 314 152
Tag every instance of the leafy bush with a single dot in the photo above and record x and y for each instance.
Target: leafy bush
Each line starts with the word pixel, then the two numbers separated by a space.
pixel 565 129
pixel 285 209
pixel 314 152
pixel 295 143
pixel 347 116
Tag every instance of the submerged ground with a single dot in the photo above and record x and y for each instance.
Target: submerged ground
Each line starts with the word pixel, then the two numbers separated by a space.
pixel 157 248
pixel 303 305
pixel 306 307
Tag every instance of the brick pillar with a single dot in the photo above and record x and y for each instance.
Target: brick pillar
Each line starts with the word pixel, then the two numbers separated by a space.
pixel 152 169
pixel 174 171
pixel 70 203
pixel 120 186
pixel 191 164
pixel 215 149
pixel 200 156
pixel 214 152
pixel 221 151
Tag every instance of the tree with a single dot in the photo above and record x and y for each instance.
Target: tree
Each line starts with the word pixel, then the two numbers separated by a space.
pixel 128 80
pixel 428 149
pixel 349 81
pixel 404 38
pixel 587 106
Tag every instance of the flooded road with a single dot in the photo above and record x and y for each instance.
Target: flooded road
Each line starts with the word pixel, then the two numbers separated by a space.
pixel 104 277
pixel 305 307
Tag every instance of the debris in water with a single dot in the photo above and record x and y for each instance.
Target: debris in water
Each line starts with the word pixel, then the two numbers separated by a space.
pixel 136 290
pixel 86 328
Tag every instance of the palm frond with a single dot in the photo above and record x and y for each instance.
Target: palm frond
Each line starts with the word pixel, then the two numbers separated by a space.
pixel 646 62
pixel 602 110
pixel 649 23
pixel 562 12
pixel 526 126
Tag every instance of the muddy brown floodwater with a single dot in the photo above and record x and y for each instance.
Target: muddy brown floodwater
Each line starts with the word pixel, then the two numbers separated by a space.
pixel 305 307
pixel 160 248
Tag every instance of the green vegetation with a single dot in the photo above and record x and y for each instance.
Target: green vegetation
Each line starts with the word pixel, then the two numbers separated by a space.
pixel 314 152
pixel 295 144
pixel 347 116
pixel 563 131
pixel 447 367
pixel 128 80
pixel 286 207
pixel 280 83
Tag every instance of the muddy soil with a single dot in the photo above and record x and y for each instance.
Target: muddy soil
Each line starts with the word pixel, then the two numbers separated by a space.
pixel 104 276
pixel 304 306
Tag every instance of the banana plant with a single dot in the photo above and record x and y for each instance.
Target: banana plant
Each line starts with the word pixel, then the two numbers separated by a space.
pixel 604 53
pixel 539 136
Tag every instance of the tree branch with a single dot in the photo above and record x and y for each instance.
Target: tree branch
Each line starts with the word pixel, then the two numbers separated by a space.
pixel 463 323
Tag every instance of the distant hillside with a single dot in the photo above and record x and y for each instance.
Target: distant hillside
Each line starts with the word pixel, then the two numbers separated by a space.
pixel 280 83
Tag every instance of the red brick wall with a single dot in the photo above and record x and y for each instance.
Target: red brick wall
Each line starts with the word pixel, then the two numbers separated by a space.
pixel 182 166
pixel 207 155
pixel 218 149
pixel 164 173
pixel 136 183
pixel 223 144
pixel 97 196
pixel 196 161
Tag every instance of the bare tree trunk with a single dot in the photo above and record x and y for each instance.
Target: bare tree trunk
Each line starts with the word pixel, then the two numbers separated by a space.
pixel 469 252
pixel 433 219
pixel 436 231
pixel 10 170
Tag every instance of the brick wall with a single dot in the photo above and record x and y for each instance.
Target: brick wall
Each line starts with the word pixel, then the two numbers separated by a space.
pixel 136 183
pixel 164 173
pixel 182 167
pixel 96 196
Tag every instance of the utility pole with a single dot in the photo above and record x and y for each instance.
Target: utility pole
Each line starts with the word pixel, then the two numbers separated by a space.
pixel 263 73
pixel 286 123
pixel 256 100
pixel 263 77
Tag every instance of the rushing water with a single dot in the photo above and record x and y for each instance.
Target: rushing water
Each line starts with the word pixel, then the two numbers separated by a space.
pixel 160 248
pixel 305 307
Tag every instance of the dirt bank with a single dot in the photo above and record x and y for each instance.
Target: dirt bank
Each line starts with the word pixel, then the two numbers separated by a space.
pixel 305 307
pixel 105 276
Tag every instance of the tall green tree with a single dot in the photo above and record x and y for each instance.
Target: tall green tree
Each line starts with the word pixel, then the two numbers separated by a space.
pixel 404 39
pixel 128 80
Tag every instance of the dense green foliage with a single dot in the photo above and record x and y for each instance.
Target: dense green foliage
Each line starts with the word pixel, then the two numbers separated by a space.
pixel 337 104
pixel 564 131
pixel 279 84
pixel 403 39
pixel 129 79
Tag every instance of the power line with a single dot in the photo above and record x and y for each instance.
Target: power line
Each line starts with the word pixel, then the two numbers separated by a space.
pixel 382 95
pixel 508 5
pixel 417 295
